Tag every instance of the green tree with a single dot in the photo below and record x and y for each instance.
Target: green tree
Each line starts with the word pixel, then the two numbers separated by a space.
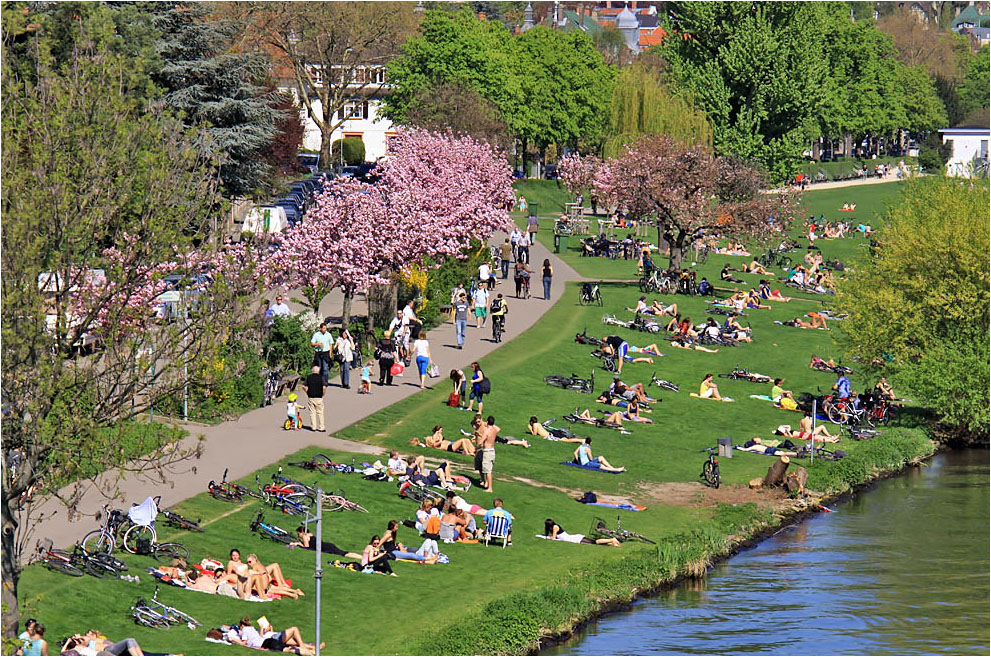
pixel 642 105
pixel 974 90
pixel 757 69
pixel 923 109
pixel 920 304
pixel 219 90
pixel 91 180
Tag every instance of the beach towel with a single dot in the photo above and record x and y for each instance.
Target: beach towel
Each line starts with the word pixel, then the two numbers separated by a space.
pixel 587 467
pixel 618 505
pixel 725 399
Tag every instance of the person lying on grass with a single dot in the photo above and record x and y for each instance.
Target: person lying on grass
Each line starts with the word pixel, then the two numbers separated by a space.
pixel 549 433
pixel 816 363
pixel 620 402
pixel 93 643
pixel 308 541
pixel 288 640
pixel 216 582
pixel 620 388
pixel 436 440
pixel 756 446
pixel 555 532
pixel 806 432
pixel 489 425
pixel 611 419
pixel 651 350
pixel 583 456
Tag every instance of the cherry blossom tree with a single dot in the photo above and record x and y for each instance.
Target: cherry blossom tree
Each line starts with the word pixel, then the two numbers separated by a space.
pixel 682 189
pixel 578 172
pixel 432 197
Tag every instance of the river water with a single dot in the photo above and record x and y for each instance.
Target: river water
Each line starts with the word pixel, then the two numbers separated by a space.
pixel 899 570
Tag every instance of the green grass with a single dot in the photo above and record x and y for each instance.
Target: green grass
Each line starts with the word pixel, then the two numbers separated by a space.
pixel 490 600
pixel 549 195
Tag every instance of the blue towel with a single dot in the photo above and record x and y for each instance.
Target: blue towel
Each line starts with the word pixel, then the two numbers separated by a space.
pixel 587 467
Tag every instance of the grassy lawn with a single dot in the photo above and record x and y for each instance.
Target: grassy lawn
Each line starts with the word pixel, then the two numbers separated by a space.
pixel 382 615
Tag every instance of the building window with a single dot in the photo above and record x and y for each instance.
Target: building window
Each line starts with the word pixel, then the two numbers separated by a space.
pixel 984 148
pixel 316 74
pixel 353 109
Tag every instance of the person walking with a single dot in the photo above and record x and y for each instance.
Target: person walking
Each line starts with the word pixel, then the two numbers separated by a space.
pixel 531 229
pixel 547 275
pixel 421 350
pixel 481 301
pixel 344 351
pixel 524 248
pixel 506 254
pixel 314 394
pixel 322 341
pixel 387 358
pixel 480 387
pixel 514 241
pixel 461 318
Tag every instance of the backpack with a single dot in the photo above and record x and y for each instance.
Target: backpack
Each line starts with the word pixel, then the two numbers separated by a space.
pixel 586 290
pixel 485 386
pixel 496 306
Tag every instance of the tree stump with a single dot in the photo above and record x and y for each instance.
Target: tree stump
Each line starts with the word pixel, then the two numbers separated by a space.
pixel 757 482
pixel 776 473
pixel 795 481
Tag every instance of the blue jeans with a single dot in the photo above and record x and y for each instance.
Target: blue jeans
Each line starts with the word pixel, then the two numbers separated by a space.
pixel 346 374
pixel 505 269
pixel 460 325
pixel 324 360
pixel 547 287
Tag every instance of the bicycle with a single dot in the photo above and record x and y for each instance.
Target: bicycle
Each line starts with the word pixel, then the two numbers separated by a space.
pixel 269 531
pixel 589 294
pixel 559 432
pixel 223 492
pixel 584 386
pixel 746 375
pixel 612 320
pixel 498 325
pixel 584 338
pixel 60 561
pixel 710 469
pixel 273 377
pixel 608 362
pixel 320 462
pixel 575 418
pixel 157 615
pixel 525 287
pixel 599 526
pixel 286 488
pixel 661 383
pixel 179 522
pixel 845 410
pixel 419 494
pixel 340 502
pixel 109 535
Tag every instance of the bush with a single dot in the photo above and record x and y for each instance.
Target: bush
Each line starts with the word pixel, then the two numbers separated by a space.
pixel 288 344
pixel 354 151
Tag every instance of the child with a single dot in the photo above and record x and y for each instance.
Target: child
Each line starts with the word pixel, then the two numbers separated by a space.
pixel 366 379
pixel 293 421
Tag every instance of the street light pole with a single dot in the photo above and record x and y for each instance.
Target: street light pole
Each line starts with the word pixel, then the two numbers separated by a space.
pixel 318 571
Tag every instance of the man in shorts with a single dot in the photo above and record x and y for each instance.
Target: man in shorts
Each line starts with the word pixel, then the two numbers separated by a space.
pixel 481 302
pixel 485 440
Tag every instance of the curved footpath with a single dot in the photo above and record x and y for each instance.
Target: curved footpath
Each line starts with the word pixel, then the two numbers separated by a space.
pixel 257 439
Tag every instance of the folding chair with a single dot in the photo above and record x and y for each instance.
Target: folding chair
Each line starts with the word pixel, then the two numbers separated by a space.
pixel 497 530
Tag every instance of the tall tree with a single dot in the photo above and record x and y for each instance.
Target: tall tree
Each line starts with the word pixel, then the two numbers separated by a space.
pixel 940 52
pixel 683 189
pixel 920 304
pixel 118 198
pixel 217 89
pixel 334 51
pixel 642 105
pixel 460 109
pixel 757 70
pixel 974 89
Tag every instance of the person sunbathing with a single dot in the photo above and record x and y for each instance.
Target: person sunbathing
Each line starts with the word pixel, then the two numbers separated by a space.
pixel 765 292
pixel 555 532
pixel 727 276
pixel 806 432
pixel 375 559
pixel 660 310
pixel 586 417
pixel 308 541
pixel 755 445
pixel 818 320
pixel 709 389
pixel 620 402
pixel 288 640
pixel 692 345
pixel 93 643
pixel 583 456
pixel 641 308
pixel 817 363
pixel 437 441
pixel 391 544
pixel 268 580
pixel 753 301
pixel 633 413
pixel 609 351
pixel 755 268
pixel 637 391
pixel 537 429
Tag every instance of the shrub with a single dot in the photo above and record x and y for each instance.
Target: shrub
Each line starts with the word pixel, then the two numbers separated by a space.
pixel 353 151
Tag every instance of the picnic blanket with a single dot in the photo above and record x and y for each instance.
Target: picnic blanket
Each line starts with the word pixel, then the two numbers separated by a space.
pixel 725 399
pixel 587 467
pixel 617 505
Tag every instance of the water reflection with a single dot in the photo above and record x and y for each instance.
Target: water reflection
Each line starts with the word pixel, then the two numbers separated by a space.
pixel 903 569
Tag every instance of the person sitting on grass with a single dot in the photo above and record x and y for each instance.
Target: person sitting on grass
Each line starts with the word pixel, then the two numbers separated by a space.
pixel 268 580
pixel 454 526
pixel 884 390
pixel 777 392
pixel 766 293
pixel 685 338
pixel 754 301
pixel 733 330
pixel 641 308
pixel 755 268
pixel 708 388
pixel 424 513
pixel 436 440
pixel 375 559
pixel 660 310
pixel 537 429
pixel 555 532
pixel 390 543
pixel 583 456
pixel 726 276
pixel 817 363
pixel 633 413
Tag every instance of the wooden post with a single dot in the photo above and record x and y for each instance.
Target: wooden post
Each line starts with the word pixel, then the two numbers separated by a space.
pixel 776 473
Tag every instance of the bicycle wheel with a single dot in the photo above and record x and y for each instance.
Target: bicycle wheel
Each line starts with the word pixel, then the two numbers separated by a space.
pixel 138 533
pixel 645 285
pixel 834 414
pixel 710 472
pixel 322 462
pixel 99 569
pixel 219 493
pixel 353 506
pixel 113 562
pixel 149 618
pixel 559 381
pixel 332 503
pixel 57 564
pixel 784 262
pixel 176 617
pixel 97 541
pixel 598 298
pixel 165 552
pixel 728 375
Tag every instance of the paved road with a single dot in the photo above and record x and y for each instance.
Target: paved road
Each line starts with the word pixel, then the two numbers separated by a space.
pixel 256 439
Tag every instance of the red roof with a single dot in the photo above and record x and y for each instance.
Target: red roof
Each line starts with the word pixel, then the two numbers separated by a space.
pixel 652 37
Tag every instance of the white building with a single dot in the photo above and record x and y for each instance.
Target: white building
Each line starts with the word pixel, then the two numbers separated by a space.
pixel 969 143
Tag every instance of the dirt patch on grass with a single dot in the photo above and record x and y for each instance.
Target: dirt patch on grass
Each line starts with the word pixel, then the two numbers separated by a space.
pixel 697 495
pixel 575 493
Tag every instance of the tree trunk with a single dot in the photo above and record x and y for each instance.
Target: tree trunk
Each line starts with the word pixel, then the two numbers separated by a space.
pixel 795 481
pixel 776 473
pixel 676 253
pixel 11 571
pixel 381 304
pixel 346 308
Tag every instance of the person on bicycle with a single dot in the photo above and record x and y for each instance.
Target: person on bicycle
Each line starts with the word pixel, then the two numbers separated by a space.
pixel 498 311
pixel 521 276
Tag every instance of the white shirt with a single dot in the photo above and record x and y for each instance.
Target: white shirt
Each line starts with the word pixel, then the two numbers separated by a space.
pixel 524 240
pixel 397 465
pixel 481 298
pixel 483 271
pixel 344 349
pixel 421 347
pixel 280 309
pixel 408 314
pixel 514 237
pixel 396 323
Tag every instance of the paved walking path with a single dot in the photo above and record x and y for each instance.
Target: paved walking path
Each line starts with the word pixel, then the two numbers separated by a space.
pixel 257 439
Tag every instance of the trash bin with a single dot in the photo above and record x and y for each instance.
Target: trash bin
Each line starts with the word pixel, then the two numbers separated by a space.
pixel 725 448
pixel 560 243
pixel 533 208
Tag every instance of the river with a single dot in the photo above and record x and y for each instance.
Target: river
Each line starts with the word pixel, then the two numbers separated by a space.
pixel 899 570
